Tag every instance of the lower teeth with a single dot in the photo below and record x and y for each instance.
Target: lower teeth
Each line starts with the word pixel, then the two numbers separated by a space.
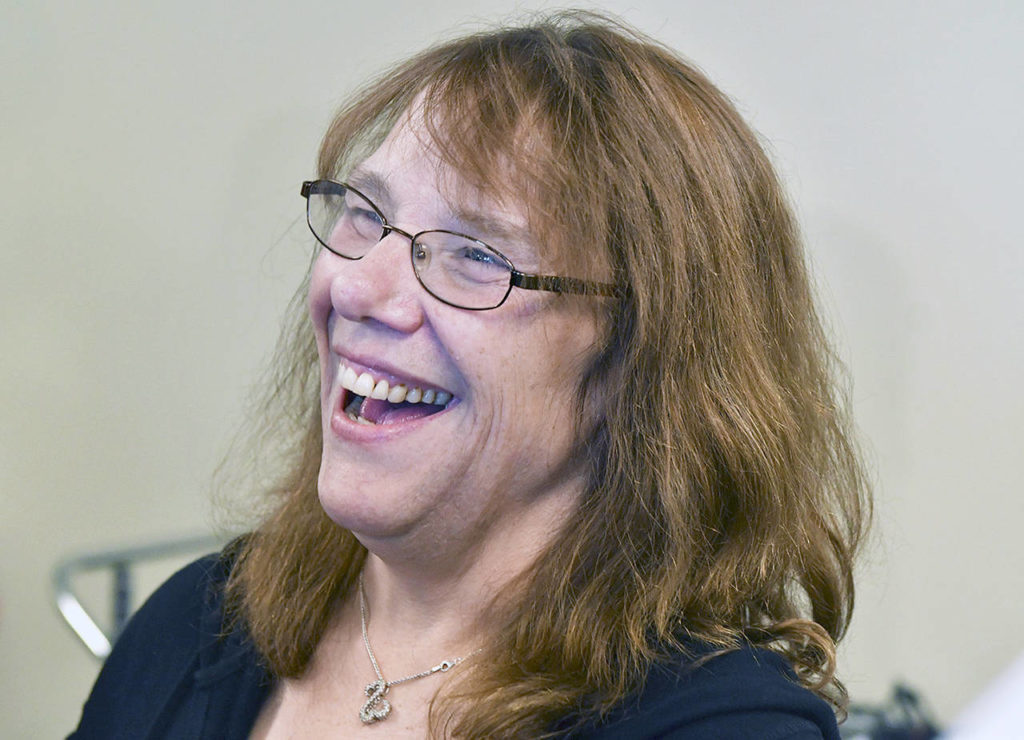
pixel 353 408
pixel 358 419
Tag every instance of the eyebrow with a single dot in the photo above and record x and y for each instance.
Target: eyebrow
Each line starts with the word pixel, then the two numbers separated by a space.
pixel 373 184
pixel 498 232
pixel 493 228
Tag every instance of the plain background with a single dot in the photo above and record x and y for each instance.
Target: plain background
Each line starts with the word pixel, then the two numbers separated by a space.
pixel 151 236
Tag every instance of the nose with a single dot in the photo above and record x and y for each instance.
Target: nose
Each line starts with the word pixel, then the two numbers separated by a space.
pixel 379 287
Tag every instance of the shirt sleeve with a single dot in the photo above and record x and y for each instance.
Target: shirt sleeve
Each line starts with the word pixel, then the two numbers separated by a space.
pixel 742 694
pixel 746 725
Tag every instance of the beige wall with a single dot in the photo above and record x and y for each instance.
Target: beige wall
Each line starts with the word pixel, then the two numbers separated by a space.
pixel 151 236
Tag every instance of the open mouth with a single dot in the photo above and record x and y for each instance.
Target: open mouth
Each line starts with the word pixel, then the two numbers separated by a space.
pixel 369 400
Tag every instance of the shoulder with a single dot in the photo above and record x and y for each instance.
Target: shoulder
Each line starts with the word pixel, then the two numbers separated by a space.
pixel 158 649
pixel 176 610
pixel 740 694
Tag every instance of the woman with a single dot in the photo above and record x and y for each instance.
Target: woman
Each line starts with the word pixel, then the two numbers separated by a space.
pixel 577 470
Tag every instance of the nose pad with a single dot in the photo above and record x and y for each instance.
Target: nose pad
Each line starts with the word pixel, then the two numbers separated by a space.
pixel 381 286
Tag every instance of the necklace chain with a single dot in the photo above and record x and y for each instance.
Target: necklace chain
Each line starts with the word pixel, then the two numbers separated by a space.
pixel 377 708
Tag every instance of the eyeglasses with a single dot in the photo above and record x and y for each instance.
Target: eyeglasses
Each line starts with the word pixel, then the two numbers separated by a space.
pixel 454 268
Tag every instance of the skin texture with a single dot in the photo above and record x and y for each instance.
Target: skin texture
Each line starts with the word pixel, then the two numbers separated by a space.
pixel 724 489
pixel 449 506
pixel 490 476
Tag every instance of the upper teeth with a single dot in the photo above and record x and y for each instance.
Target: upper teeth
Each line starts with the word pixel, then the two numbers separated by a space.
pixel 364 384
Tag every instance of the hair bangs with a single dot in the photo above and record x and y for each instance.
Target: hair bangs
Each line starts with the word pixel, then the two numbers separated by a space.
pixel 508 113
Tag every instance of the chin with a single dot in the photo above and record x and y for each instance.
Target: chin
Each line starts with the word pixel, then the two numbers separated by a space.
pixel 360 508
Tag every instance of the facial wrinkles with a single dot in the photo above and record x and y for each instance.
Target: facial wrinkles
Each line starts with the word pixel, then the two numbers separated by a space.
pixel 492 222
pixel 516 473
pixel 482 220
pixel 373 184
pixel 470 468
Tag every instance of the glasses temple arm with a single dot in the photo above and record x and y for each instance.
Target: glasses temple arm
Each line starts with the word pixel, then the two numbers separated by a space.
pixel 563 285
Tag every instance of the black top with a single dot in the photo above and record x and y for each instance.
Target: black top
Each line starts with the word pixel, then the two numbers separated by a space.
pixel 174 674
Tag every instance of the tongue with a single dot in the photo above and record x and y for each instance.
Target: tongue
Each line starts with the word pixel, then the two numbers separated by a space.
pixel 382 412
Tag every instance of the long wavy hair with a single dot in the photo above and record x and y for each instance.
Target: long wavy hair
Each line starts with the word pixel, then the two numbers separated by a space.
pixel 725 498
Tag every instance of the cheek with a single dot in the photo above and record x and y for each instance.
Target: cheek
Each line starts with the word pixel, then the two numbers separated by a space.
pixel 538 376
pixel 319 304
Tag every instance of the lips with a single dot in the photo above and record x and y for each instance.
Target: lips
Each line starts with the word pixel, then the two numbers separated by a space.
pixel 369 399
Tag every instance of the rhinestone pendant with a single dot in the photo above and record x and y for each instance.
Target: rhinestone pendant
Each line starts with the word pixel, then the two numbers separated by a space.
pixel 376 708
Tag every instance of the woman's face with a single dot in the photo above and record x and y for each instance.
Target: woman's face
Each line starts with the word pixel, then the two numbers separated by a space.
pixel 492 460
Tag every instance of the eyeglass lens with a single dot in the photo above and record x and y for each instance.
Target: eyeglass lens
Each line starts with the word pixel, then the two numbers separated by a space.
pixel 457 269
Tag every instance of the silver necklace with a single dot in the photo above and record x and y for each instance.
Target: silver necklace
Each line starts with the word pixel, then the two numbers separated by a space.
pixel 377 708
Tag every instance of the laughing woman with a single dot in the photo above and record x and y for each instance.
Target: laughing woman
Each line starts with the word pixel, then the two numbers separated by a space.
pixel 569 460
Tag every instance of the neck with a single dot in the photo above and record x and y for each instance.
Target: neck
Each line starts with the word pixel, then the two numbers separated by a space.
pixel 435 604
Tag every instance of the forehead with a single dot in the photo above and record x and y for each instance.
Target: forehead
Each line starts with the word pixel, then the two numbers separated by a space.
pixel 415 188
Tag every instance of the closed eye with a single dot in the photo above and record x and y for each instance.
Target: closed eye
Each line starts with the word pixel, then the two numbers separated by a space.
pixel 475 254
pixel 365 215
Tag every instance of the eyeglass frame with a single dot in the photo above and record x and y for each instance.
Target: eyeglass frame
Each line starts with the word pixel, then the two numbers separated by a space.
pixel 517 279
